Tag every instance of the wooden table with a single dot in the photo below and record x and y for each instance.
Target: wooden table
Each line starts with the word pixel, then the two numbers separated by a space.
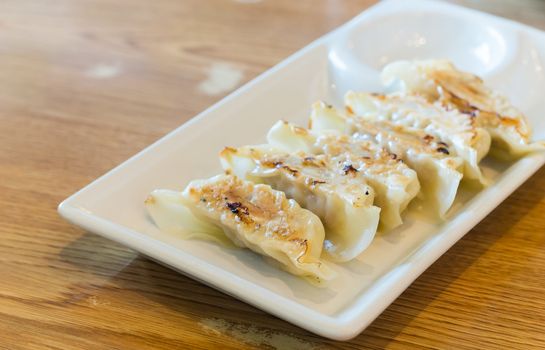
pixel 86 84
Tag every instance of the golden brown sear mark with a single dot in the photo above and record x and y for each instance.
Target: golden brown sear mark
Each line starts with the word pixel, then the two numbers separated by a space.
pixel 293 172
pixel 349 169
pixel 279 165
pixel 463 106
pixel 312 161
pixel 443 150
pixel 428 138
pixel 317 182
pixel 378 95
pixel 237 208
pixel 271 163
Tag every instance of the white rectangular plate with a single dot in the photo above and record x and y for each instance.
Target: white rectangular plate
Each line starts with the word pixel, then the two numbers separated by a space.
pixel 508 55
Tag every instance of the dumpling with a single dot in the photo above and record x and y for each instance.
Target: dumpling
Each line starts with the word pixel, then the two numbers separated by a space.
pixel 333 190
pixel 439 81
pixel 395 184
pixel 252 216
pixel 469 142
pixel 439 173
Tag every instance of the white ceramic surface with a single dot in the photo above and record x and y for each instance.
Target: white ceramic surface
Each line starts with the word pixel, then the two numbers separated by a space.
pixel 508 55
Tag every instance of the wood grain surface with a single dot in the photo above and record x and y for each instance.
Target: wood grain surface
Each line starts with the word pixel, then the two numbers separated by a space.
pixel 84 84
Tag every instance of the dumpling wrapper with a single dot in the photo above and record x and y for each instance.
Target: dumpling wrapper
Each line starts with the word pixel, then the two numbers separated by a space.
pixel 395 184
pixel 170 213
pixel 334 191
pixel 457 130
pixel 439 81
pixel 439 174
pixel 251 215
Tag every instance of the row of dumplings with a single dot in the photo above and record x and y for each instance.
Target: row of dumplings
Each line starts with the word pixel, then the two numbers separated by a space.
pixel 311 196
